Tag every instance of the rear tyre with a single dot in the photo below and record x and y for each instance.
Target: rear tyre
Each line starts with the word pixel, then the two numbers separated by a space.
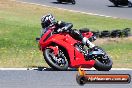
pixel 105 34
pixel 73 1
pixel 129 4
pixel 103 63
pixel 59 1
pixel 116 33
pixel 58 62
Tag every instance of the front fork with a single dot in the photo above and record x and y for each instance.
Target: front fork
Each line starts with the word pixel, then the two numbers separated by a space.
pixel 91 55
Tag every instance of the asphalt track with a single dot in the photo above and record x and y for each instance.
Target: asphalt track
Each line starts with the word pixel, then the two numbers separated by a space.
pixel 100 7
pixel 52 79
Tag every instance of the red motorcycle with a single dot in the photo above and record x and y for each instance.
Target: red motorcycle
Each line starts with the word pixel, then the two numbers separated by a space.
pixel 61 50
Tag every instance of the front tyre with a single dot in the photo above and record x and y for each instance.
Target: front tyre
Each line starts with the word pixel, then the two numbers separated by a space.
pixel 103 62
pixel 116 4
pixel 58 62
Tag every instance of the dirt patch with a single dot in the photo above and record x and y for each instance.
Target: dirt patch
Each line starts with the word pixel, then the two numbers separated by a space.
pixel 101 41
pixel 4 3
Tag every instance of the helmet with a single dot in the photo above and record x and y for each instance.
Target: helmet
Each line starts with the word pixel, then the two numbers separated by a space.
pixel 47 20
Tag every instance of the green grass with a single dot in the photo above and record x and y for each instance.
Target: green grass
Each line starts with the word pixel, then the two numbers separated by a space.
pixel 20 25
pixel 121 52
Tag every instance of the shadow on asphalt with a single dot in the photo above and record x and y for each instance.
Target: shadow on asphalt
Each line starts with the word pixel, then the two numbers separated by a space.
pixel 118 6
pixel 64 3
pixel 50 69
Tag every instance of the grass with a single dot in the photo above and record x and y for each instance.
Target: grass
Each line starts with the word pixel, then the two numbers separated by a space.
pixel 20 25
pixel 119 49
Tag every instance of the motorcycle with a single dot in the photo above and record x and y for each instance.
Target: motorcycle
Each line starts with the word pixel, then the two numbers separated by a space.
pixel 121 3
pixel 69 1
pixel 61 51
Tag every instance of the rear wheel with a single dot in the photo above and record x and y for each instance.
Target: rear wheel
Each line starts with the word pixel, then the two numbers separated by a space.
pixel 73 1
pixel 129 4
pixel 58 62
pixel 59 1
pixel 103 62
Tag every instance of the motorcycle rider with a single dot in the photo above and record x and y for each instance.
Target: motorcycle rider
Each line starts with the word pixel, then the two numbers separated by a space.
pixel 60 26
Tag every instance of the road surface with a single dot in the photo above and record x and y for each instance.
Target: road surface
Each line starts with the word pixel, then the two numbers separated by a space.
pixel 52 79
pixel 100 7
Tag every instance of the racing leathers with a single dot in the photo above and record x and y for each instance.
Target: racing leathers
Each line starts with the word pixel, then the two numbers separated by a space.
pixel 61 26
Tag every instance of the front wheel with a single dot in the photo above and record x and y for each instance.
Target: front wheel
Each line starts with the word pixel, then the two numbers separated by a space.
pixel 103 62
pixel 116 4
pixel 58 62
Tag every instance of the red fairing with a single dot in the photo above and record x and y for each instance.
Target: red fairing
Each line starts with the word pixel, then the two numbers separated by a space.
pixel 87 34
pixel 64 40
pixel 55 49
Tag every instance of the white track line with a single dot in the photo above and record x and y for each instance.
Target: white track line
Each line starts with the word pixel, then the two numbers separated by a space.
pixel 70 10
pixel 46 68
pixel 13 68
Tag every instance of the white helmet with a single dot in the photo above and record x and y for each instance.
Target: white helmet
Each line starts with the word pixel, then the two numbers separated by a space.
pixel 47 20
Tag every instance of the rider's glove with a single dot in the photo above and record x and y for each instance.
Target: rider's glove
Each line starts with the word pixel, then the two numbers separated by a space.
pixel 63 29
pixel 59 30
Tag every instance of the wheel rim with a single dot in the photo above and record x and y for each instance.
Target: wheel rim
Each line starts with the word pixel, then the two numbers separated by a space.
pixel 104 59
pixel 59 60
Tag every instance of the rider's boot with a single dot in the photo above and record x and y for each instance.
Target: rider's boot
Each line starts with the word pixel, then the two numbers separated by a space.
pixel 91 47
